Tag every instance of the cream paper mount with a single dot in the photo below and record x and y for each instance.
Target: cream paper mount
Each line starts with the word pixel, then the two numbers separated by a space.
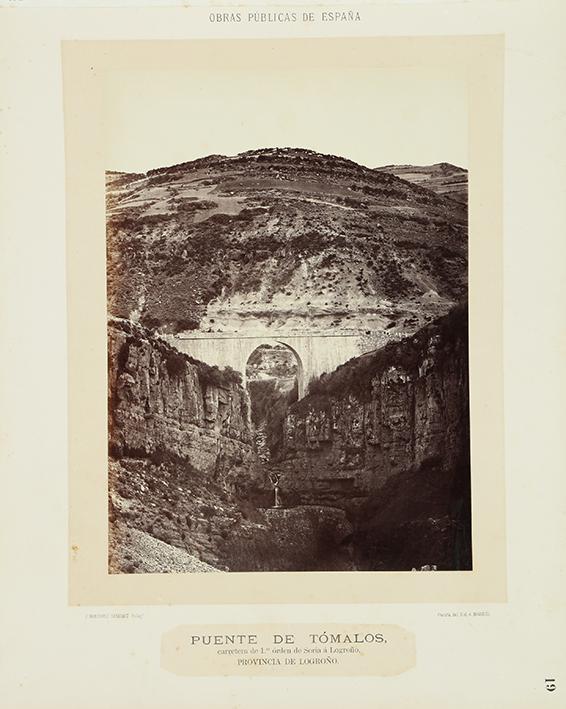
pixel 89 69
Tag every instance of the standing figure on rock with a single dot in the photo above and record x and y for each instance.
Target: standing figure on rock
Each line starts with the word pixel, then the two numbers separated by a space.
pixel 274 478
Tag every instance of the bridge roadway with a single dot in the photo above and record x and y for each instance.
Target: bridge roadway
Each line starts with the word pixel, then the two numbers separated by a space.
pixel 315 352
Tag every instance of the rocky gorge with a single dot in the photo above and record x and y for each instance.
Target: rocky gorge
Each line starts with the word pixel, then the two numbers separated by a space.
pixel 186 491
pixel 373 467
pixel 236 285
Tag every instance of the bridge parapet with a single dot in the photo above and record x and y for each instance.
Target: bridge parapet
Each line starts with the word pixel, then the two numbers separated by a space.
pixel 315 353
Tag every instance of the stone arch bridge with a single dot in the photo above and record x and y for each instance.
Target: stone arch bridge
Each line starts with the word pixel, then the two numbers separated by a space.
pixel 315 353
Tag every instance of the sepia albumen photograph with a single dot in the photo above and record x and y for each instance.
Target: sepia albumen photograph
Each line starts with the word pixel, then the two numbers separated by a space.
pixel 287 288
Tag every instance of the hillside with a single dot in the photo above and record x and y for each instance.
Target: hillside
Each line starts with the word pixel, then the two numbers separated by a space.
pixel 444 179
pixel 284 239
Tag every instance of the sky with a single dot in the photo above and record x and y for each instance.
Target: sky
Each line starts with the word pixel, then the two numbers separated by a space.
pixel 372 116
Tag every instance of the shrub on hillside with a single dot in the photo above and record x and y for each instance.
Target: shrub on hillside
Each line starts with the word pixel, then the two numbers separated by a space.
pixel 214 376
pixel 176 364
pixel 185 324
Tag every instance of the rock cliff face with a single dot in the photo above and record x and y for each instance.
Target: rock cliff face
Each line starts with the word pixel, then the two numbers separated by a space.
pixel 186 490
pixel 383 413
pixel 387 429
pixel 163 404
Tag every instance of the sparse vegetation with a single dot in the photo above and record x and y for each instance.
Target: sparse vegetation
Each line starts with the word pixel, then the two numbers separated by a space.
pixel 355 377
pixel 270 215
pixel 176 364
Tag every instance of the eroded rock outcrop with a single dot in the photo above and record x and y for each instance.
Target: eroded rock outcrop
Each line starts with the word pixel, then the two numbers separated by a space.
pixel 164 404
pixel 381 414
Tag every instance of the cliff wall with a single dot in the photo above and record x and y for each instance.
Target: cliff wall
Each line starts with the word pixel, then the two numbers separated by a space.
pixel 163 404
pixel 379 415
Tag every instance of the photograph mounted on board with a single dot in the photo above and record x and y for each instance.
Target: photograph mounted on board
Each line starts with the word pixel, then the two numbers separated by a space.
pixel 287 289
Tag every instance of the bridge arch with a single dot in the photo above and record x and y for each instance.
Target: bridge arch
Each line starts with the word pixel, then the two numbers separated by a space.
pixel 253 344
pixel 315 352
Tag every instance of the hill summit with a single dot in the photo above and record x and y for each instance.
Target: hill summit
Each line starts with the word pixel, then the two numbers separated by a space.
pixel 284 239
